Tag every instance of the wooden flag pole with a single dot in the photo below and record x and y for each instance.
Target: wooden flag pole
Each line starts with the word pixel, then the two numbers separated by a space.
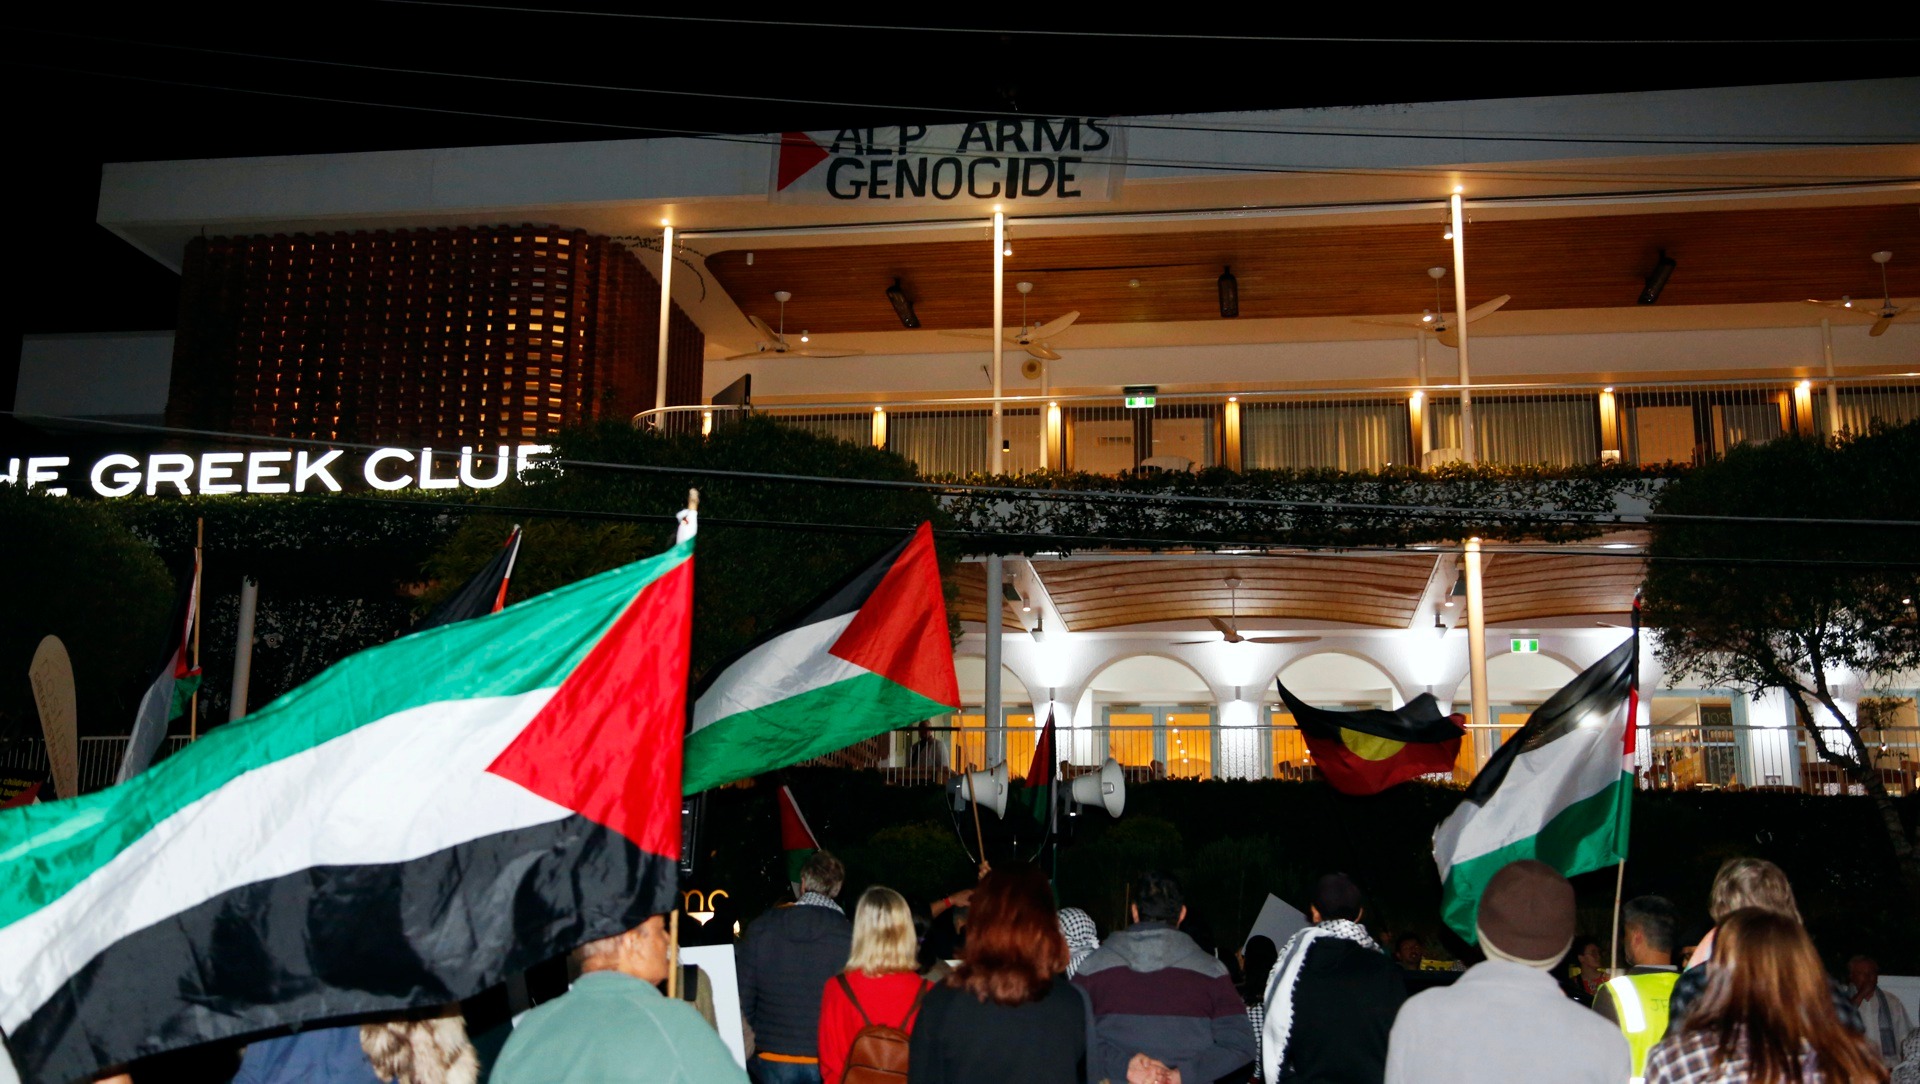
pixel 973 802
pixel 673 954
pixel 1619 883
pixel 193 702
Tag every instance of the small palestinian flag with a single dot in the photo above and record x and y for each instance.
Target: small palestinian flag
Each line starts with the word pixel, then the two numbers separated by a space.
pixel 796 838
pixel 420 821
pixel 174 684
pixel 1367 751
pixel 869 656
pixel 1037 794
pixel 1560 791
pixel 484 593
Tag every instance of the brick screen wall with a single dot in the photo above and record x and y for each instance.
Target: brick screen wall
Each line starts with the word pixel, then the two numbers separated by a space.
pixel 469 336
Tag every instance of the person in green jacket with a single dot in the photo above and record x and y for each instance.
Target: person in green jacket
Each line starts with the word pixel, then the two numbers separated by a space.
pixel 614 1025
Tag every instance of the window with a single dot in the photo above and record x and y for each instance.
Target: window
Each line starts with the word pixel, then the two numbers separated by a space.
pixel 1161 741
pixel 1692 743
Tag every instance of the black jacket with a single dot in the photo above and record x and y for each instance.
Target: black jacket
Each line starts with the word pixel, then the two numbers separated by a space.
pixel 959 1039
pixel 785 961
pixel 1343 1008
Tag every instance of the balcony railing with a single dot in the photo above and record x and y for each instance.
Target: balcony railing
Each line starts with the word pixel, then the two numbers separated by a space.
pixel 99 758
pixel 1697 758
pixel 1350 429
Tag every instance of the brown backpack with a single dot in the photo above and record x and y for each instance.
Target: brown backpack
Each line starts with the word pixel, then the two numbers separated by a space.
pixel 879 1051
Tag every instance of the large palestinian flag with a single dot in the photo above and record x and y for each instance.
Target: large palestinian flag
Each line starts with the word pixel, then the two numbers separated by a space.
pixel 1560 791
pixel 410 827
pixel 1367 751
pixel 869 656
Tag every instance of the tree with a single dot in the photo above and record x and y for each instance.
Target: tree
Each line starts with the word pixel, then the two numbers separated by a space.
pixel 76 573
pixel 766 546
pixel 1782 601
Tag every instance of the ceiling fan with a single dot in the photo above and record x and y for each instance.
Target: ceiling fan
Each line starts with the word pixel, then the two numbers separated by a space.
pixel 774 341
pixel 1436 320
pixel 1883 316
pixel 1230 630
pixel 1031 339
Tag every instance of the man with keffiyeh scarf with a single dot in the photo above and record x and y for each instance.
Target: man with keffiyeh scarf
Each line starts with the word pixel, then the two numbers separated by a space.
pixel 1332 997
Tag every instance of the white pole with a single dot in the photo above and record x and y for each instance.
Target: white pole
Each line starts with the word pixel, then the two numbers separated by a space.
pixel 1476 635
pixel 995 719
pixel 666 317
pixel 243 649
pixel 1833 395
pixel 998 435
pixel 1460 326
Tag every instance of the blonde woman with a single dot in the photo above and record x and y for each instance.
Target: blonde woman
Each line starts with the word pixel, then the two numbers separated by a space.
pixel 880 985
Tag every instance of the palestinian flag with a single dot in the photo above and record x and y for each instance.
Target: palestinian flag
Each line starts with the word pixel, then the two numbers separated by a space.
pixel 484 593
pixel 796 838
pixel 869 656
pixel 174 684
pixel 1037 794
pixel 1365 752
pixel 1560 790
pixel 412 826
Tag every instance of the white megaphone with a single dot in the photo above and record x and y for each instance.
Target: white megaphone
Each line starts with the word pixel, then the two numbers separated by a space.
pixel 988 788
pixel 1106 787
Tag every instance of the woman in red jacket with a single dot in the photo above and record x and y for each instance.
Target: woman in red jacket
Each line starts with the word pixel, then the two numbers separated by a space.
pixel 881 972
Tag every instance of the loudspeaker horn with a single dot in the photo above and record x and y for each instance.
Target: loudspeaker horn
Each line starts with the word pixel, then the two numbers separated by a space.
pixel 989 789
pixel 1030 368
pixel 1106 788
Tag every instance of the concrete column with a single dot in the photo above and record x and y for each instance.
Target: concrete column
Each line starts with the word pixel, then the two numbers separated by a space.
pixel 996 720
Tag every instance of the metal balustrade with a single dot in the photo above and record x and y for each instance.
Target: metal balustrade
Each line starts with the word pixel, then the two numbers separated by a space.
pixel 1696 758
pixel 1520 424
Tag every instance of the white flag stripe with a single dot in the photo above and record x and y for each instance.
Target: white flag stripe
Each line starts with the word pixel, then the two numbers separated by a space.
pixel 395 789
pixel 1540 783
pixel 794 662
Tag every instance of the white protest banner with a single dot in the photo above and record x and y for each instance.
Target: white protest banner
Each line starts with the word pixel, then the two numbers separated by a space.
pixel 1041 160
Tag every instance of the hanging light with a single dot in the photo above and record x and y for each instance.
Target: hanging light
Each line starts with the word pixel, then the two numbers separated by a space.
pixel 804 337
pixel 1229 294
pixel 1006 241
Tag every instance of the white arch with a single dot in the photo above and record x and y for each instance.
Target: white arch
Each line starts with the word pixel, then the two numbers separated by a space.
pixel 1514 678
pixel 1339 675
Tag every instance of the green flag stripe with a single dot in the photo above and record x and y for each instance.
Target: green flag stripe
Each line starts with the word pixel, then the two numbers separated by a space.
pixel 46 849
pixel 1590 834
pixel 811 724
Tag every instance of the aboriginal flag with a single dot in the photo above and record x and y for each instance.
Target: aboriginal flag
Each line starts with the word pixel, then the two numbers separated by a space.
pixel 1367 751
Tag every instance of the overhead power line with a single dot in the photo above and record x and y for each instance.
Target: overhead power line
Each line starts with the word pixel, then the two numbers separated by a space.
pixel 1028 493
pixel 1129 123
pixel 1744 181
pixel 1142 35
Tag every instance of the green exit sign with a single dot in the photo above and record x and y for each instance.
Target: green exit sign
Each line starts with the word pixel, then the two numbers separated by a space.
pixel 1525 647
pixel 1140 396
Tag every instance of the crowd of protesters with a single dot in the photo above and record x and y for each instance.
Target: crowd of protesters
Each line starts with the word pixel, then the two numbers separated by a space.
pixel 1003 987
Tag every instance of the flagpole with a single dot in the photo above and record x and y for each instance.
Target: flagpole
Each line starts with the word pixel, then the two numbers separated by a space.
pixel 673 954
pixel 973 803
pixel 193 703
pixel 1619 883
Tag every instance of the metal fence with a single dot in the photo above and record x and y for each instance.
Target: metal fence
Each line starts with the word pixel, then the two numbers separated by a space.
pixel 1347 429
pixel 99 758
pixel 1696 758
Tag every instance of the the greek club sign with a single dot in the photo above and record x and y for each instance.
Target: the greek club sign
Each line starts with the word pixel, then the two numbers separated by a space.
pixel 1048 160
pixel 271 471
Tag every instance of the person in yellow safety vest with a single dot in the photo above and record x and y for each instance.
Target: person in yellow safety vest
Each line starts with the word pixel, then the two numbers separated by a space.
pixel 1637 1000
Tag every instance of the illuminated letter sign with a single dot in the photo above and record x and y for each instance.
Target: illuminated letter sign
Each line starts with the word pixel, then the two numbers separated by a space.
pixel 118 474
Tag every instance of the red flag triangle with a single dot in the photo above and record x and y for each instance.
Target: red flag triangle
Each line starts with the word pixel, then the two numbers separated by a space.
pixel 900 632
pixel 798 154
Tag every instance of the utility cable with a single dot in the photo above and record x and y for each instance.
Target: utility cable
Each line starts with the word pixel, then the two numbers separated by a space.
pixel 1531 515
pixel 1591 177
pixel 1116 122
pixel 1141 35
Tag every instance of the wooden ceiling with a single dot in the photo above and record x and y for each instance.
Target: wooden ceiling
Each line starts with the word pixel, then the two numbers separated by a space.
pixel 1724 257
pixel 1523 586
pixel 1371 591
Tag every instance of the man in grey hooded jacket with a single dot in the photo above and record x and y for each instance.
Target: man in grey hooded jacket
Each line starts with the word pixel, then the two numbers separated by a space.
pixel 1163 1010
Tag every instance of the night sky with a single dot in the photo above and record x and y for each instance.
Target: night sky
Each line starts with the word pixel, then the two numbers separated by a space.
pixel 94 84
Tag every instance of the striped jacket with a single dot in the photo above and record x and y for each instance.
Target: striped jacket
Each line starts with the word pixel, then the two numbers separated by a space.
pixel 1155 992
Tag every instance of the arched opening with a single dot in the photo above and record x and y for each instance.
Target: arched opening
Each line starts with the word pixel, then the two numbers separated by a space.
pixel 1516 684
pixel 1325 679
pixel 1153 714
pixel 970 733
